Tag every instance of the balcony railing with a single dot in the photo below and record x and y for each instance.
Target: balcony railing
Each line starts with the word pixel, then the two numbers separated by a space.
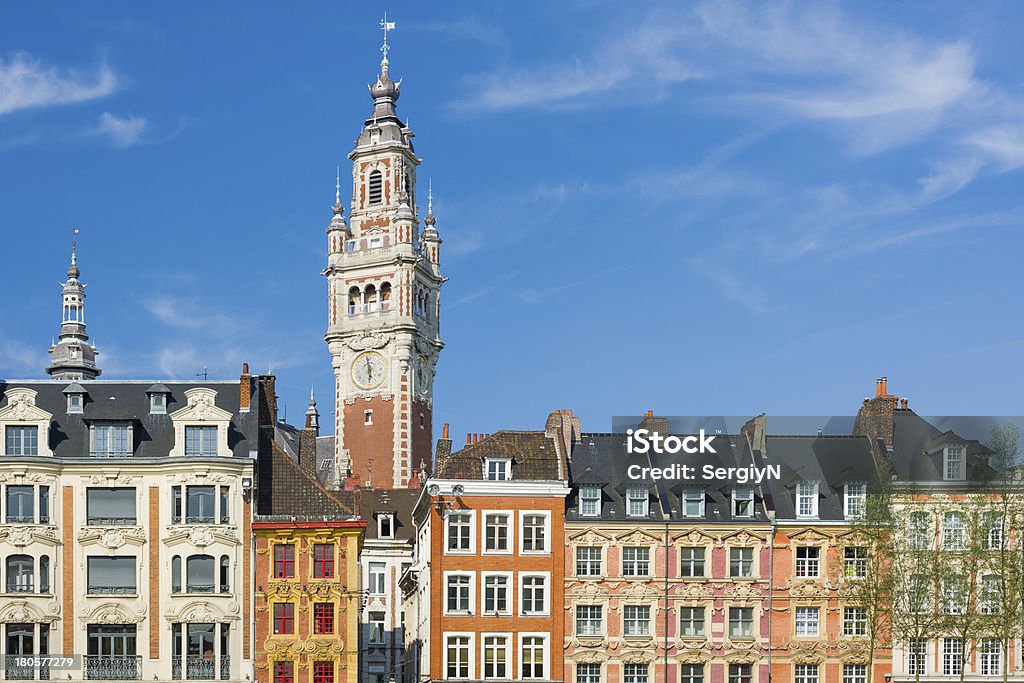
pixel 112 521
pixel 200 668
pixel 113 667
pixel 21 588
pixel 112 590
pixel 21 519
pixel 110 454
pixel 13 671
pixel 199 588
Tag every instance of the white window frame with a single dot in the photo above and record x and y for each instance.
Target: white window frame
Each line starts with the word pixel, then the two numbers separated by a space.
pixel 472 593
pixel 633 494
pixel 509 662
pixel 471 656
pixel 954 455
pixel 855 622
pixel 582 499
pixel 510 526
pixel 578 674
pixel 601 560
pixel 546 576
pixel 546 638
pixel 729 622
pixel 703 622
pixel 802 621
pixel 601 631
pixel 506 470
pixel 747 495
pixel 76 407
pixel 472 532
pixel 805 673
pixel 548 541
pixel 952 657
pixel 801 566
pixel 158 403
pixel 860 677
pixel 371 588
pixel 391 525
pixel 855 499
pixel 635 561
pixel 649 631
pixel 917 656
pixel 954 537
pixel 685 501
pixel 857 563
pixel 806 492
pixel 703 561
pixel 990 657
pixel 509 597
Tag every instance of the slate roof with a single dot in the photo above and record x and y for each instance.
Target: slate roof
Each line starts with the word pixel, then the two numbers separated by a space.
pixel 286 490
pixel 399 502
pixel 534 457
pixel 127 400
pixel 916 454
pixel 602 459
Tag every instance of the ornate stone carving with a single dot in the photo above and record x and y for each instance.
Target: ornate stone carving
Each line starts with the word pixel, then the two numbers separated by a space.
pixel 370 340
pixel 112 537
pixel 110 613
pixel 21 536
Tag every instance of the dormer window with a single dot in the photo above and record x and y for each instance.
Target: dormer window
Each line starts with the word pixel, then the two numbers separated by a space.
pixel 74 403
pixel 497 469
pixel 374 136
pixel 75 395
pixel 856 499
pixel 636 501
pixel 201 428
pixel 693 503
pixel 376 193
pixel 21 440
pixel 590 500
pixel 385 525
pixel 200 440
pixel 742 502
pixel 111 439
pixel 953 466
pixel 807 499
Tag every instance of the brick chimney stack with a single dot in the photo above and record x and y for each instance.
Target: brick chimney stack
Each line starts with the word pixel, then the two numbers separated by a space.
pixel 875 417
pixel 244 389
pixel 443 451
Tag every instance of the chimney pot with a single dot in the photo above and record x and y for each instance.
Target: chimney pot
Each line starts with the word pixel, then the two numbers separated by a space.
pixel 444 432
pixel 469 438
pixel 885 388
pixel 245 368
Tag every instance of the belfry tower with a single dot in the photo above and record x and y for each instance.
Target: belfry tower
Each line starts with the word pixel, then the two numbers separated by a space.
pixel 384 281
pixel 72 356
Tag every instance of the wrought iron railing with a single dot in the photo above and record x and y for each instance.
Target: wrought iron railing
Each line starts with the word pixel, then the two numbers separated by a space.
pixel 110 454
pixel 21 519
pixel 112 590
pixel 112 521
pixel 200 667
pixel 16 669
pixel 113 667
pixel 199 588
pixel 20 588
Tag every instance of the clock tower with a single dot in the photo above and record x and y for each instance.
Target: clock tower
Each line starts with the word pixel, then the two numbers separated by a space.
pixel 384 281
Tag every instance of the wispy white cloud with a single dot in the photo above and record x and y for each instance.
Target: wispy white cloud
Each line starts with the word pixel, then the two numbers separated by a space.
pixel 121 131
pixel 18 359
pixel 25 83
pixel 481 292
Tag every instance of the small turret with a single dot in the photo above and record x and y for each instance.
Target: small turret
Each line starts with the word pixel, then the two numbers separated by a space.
pixel 73 357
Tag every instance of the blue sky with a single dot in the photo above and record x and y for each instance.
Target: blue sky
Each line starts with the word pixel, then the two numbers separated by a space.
pixel 710 208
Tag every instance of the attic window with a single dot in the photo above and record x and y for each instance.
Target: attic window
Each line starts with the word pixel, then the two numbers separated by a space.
pixel 376 188
pixel 636 501
pixel 742 502
pixel 158 403
pixel 953 467
pixel 385 525
pixel 807 499
pixel 497 469
pixel 74 403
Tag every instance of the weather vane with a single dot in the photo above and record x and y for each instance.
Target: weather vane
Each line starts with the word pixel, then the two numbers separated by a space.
pixel 386 26
pixel 74 242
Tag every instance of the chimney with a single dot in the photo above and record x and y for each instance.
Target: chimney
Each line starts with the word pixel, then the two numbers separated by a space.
pixel 444 431
pixel 443 451
pixel 885 390
pixel 469 438
pixel 878 387
pixel 244 389
pixel 654 424
pixel 904 403
pixel 875 418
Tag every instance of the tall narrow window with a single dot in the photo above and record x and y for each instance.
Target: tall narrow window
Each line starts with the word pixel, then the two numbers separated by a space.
pixel 807 499
pixel 457 657
pixel 693 503
pixel 323 618
pixel 496 527
pixel 376 188
pixel 496 657
pixel 953 532
pixel 377 574
pixel 590 500
pixel 636 501
pixel 952 656
pixel 44 504
pixel 856 499
pixel 954 466
pixel 917 654
pixel 225 504
pixel 225 574
pixel 532 657
pixel 44 574
pixel 459 588
pixel 323 561
pixel 376 621
pixel 534 533
pixel 459 530
pixel 284 618
pixel 742 502
pixel 284 561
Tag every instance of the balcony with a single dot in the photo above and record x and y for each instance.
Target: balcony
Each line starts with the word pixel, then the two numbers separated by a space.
pixel 112 590
pixel 110 454
pixel 111 521
pixel 113 667
pixel 200 668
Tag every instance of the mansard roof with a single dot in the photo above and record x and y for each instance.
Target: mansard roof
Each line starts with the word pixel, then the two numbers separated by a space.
pixel 916 451
pixel 127 400
pixel 534 456
pixel 397 502
pixel 286 490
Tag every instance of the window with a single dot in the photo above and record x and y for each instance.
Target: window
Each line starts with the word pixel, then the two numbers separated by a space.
pixel 855 621
pixel 199 574
pixel 741 563
pixel 588 560
pixel 496 532
pixel 111 575
pixel 534 592
pixel 200 502
pixel 21 504
pixel 498 469
pixel 20 574
pixel 992 523
pixel 917 650
pixel 459 529
pixel 691 562
pixel 323 561
pixel 990 651
pixel 807 561
pixel 919 593
pixel 919 531
pixel 376 194
pixel 636 561
pixel 225 574
pixel 385 525
pixel 855 673
pixel 856 500
pixel 589 620
pixel 158 403
pixel 44 574
pixel 376 622
pixel 990 595
pixel 457 657
pixel 954 465
pixel 740 673
pixel 636 620
pixel 952 656
pixel 534 533
pixel 284 618
pixel 284 561
pixel 807 499
pixel 367 417
pixel 692 673
pixel 22 440
pixel 588 673
pixel 176 574
pixel 496 589
pixel 806 621
pixel 44 504
pixel 741 622
pixel 377 573
pixel 323 672
pixel 742 502
pixel 225 505
pixel 532 657
pixel 284 672
pixel 954 536
pixel 693 506
pixel 323 618
pixel 110 506
pixel 805 673
pixel 111 440
pixel 635 673
pixel 691 622
pixel 636 501
pixel 590 500
pixel 855 562
pixel 200 440
pixel 496 657
pixel 459 593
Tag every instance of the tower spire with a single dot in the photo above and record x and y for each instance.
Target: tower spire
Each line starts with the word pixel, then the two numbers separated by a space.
pixel 385 26
pixel 72 357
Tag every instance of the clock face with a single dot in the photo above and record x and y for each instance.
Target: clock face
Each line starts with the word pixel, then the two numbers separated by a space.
pixel 422 375
pixel 369 370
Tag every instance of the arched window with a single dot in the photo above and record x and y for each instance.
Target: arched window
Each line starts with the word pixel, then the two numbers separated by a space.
pixel 376 188
pixel 44 574
pixel 353 300
pixel 953 533
pixel 370 299
pixel 385 296
pixel 225 574
pixel 19 574
pixel 199 574
pixel 176 574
